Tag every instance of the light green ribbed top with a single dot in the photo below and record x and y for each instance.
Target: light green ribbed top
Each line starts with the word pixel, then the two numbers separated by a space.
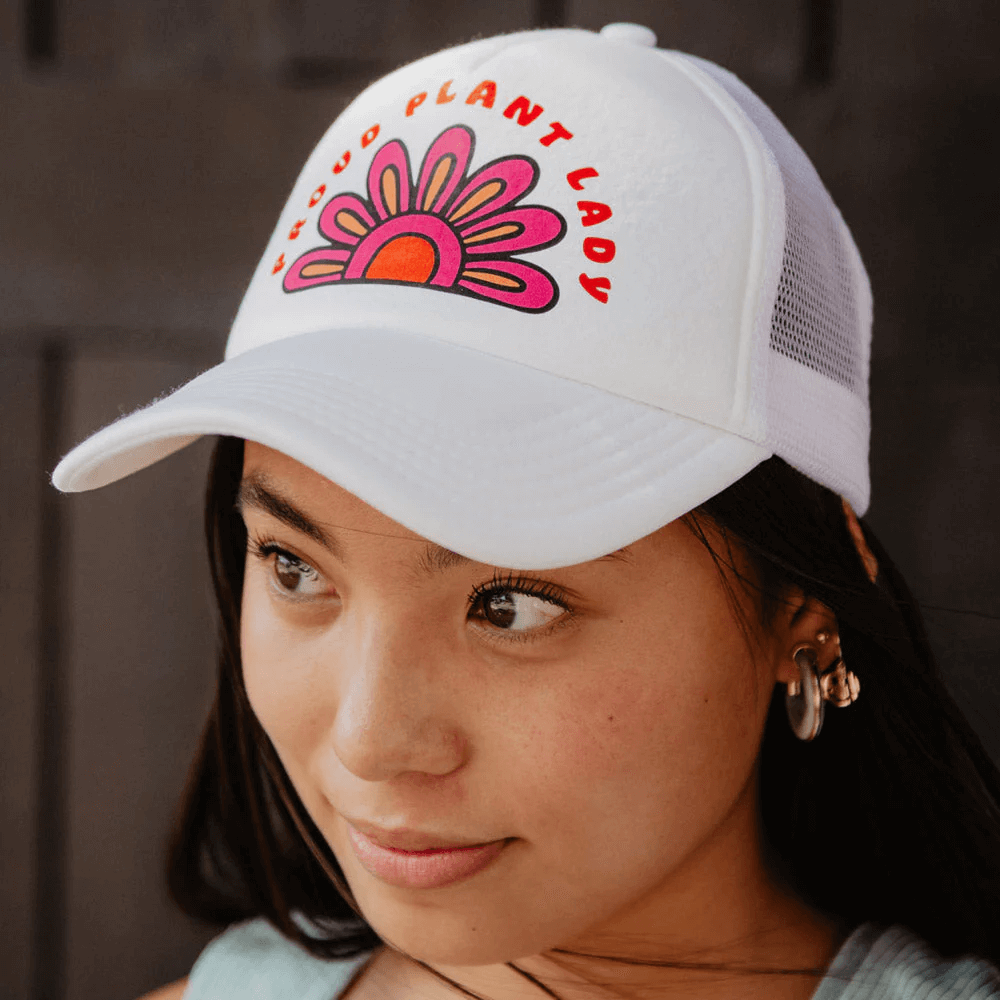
pixel 253 961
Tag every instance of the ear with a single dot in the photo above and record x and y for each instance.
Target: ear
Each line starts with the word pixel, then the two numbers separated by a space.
pixel 854 527
pixel 805 621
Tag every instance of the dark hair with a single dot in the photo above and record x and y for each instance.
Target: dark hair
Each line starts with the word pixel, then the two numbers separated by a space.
pixel 892 815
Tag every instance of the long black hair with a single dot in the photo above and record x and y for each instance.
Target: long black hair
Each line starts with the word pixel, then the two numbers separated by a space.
pixel 891 815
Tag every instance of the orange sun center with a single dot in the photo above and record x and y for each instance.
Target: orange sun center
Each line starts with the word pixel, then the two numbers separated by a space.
pixel 406 258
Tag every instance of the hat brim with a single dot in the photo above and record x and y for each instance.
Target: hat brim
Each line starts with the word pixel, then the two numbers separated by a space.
pixel 499 462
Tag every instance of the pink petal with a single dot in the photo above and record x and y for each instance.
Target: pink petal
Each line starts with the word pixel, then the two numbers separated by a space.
pixel 454 145
pixel 391 157
pixel 516 176
pixel 537 292
pixel 537 228
pixel 352 205
pixel 294 280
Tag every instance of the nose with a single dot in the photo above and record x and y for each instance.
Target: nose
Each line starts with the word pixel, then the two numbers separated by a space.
pixel 394 715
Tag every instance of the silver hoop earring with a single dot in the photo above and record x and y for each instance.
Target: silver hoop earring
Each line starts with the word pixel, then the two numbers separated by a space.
pixel 806 698
pixel 803 698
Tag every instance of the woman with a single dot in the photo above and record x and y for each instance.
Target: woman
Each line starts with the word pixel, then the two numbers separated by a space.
pixel 534 532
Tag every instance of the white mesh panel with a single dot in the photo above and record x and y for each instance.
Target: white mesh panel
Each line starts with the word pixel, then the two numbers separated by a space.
pixel 816 318
pixel 820 320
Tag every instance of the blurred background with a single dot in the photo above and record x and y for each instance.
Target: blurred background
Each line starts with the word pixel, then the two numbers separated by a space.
pixel 146 148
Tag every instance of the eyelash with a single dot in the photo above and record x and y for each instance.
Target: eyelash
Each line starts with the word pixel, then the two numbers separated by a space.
pixel 521 585
pixel 531 587
pixel 264 547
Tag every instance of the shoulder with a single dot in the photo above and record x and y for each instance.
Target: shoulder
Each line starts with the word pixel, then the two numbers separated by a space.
pixel 254 959
pixel 895 964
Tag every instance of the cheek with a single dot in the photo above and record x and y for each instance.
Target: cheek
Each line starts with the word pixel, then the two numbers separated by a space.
pixel 652 748
pixel 280 679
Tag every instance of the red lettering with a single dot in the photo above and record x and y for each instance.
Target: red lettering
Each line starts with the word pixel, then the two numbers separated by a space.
pixel 293 233
pixel 370 136
pixel 415 102
pixel 597 287
pixel 599 250
pixel 558 132
pixel 521 106
pixel 486 93
pixel 444 94
pixel 577 177
pixel 342 162
pixel 278 264
pixel 316 195
pixel 594 212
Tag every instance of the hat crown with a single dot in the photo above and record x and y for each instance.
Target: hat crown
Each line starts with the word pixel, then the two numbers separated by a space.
pixel 623 216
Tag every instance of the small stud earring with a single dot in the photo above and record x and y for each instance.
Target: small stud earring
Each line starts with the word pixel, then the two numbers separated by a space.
pixel 805 699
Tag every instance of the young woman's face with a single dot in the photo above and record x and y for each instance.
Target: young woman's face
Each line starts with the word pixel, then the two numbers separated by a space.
pixel 595 727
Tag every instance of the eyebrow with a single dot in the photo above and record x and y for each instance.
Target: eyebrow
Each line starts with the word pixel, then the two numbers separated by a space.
pixel 624 554
pixel 257 492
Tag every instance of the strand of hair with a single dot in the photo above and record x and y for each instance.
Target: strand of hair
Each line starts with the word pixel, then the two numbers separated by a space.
pixel 534 980
pixel 693 966
pixel 464 990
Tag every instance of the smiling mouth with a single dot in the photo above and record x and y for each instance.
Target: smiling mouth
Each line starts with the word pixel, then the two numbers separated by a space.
pixel 430 867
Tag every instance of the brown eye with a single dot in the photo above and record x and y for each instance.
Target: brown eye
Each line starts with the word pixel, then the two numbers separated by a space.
pixel 500 609
pixel 287 575
pixel 514 611
pixel 295 577
pixel 288 571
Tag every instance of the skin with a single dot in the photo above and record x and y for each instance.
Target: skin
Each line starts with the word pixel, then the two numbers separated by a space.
pixel 613 737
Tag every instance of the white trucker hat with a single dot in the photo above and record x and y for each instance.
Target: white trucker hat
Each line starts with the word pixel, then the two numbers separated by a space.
pixel 536 296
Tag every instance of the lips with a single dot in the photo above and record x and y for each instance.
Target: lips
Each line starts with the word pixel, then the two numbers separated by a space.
pixel 411 860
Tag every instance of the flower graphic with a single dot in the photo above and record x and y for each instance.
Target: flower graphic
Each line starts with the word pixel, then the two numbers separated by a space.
pixel 449 231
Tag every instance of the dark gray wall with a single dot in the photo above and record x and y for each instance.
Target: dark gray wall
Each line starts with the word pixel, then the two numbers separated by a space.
pixel 148 146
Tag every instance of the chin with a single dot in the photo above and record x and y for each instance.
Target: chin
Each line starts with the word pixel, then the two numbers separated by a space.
pixel 464 925
pixel 449 938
